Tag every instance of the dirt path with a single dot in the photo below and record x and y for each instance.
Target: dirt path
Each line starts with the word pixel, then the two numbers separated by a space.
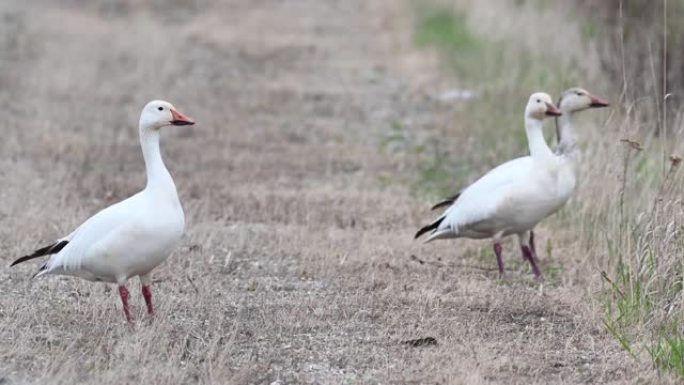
pixel 297 266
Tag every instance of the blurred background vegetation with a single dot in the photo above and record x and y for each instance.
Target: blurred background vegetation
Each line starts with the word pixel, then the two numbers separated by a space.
pixel 641 51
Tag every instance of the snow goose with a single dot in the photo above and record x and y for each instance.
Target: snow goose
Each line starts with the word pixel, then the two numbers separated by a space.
pixel 572 100
pixel 515 196
pixel 132 237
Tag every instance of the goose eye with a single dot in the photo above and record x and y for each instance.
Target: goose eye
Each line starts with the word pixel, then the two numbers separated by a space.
pixel 578 93
pixel 538 100
pixel 161 108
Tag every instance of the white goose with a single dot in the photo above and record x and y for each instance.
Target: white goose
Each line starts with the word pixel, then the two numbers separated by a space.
pixel 132 237
pixel 515 196
pixel 572 100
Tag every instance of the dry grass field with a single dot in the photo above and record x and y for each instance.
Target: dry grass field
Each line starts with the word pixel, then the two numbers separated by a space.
pixel 309 170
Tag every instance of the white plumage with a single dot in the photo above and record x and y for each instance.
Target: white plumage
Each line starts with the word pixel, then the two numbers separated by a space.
pixel 513 197
pixel 572 100
pixel 132 237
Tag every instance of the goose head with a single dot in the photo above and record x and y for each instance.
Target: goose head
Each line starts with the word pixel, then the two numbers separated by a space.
pixel 578 99
pixel 540 106
pixel 158 113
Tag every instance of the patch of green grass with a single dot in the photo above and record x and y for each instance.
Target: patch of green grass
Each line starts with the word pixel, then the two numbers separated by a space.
pixel 668 353
pixel 590 30
pixel 446 30
pixel 435 171
pixel 643 308
pixel 433 167
pixel 630 302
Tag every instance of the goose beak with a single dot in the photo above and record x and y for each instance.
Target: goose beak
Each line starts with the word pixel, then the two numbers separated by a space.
pixel 597 102
pixel 180 119
pixel 551 110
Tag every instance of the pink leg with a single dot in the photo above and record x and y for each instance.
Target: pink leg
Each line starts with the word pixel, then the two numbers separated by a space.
pixel 499 258
pixel 123 292
pixel 147 293
pixel 531 256
pixel 525 252
pixel 534 249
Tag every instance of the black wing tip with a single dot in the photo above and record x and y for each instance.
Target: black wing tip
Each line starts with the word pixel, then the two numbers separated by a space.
pixel 24 259
pixel 446 202
pixel 19 260
pixel 441 204
pixel 47 250
pixel 423 230
pixel 432 226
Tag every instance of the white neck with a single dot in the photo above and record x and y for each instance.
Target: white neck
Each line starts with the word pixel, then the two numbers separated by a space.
pixel 535 138
pixel 157 174
pixel 565 132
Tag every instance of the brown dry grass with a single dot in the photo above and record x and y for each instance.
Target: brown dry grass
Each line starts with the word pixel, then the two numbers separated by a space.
pixel 296 266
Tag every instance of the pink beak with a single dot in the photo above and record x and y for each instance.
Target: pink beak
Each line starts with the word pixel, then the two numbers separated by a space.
pixel 180 119
pixel 597 102
pixel 551 110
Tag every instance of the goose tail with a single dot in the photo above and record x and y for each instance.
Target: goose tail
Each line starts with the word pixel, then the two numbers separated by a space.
pixel 441 234
pixel 431 227
pixel 43 251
